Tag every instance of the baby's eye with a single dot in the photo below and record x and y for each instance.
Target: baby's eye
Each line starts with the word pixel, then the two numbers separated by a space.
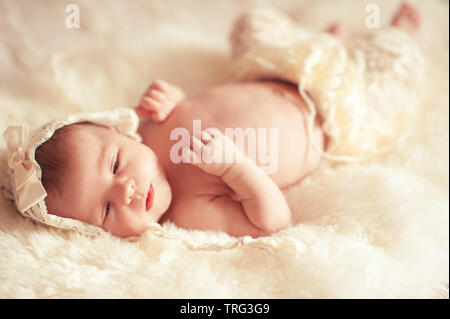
pixel 116 165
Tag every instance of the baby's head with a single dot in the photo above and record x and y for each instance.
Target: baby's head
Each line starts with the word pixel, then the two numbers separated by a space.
pixel 100 176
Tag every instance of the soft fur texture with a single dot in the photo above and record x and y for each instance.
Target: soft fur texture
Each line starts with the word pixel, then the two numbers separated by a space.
pixel 378 230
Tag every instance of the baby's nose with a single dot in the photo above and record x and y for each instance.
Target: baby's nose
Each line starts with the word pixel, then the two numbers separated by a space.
pixel 128 191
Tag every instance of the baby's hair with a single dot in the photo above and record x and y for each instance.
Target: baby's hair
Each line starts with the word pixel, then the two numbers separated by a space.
pixel 53 157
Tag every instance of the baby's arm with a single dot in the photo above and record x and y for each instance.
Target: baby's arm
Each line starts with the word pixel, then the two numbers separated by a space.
pixel 261 199
pixel 159 100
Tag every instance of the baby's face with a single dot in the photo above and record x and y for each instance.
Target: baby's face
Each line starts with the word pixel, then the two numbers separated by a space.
pixel 108 183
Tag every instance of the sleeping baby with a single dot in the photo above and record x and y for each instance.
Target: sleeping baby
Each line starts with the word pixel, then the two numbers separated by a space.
pixel 93 172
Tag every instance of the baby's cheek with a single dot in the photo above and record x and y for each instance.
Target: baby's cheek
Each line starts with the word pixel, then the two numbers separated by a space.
pixel 131 225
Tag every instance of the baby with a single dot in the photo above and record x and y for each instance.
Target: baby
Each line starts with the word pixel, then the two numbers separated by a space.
pixel 121 185
pixel 99 176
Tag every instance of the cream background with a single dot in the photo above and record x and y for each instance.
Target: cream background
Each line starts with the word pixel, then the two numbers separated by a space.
pixel 376 230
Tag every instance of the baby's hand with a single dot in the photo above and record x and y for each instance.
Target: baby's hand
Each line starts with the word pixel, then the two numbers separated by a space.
pixel 159 101
pixel 213 152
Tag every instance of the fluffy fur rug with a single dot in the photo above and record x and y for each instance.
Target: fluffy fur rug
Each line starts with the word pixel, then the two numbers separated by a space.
pixel 378 230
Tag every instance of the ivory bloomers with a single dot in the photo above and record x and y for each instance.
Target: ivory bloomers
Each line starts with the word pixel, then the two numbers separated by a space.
pixel 367 90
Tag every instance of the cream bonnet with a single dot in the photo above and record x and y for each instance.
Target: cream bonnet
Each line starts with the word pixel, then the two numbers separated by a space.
pixel 23 183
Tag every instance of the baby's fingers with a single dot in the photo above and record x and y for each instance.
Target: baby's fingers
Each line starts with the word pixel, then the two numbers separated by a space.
pixel 160 85
pixel 153 109
pixel 151 104
pixel 203 154
pixel 142 112
pixel 206 137
pixel 157 96
pixel 197 146
pixel 189 156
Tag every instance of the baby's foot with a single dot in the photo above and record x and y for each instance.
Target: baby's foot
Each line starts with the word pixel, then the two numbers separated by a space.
pixel 339 30
pixel 159 100
pixel 407 19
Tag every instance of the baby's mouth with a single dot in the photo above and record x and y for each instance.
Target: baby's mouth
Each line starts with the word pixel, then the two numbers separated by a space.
pixel 150 196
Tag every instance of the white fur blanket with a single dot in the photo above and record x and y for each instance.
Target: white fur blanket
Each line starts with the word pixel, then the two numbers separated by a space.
pixel 378 230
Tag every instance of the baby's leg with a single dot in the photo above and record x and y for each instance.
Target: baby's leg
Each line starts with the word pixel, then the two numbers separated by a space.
pixel 394 71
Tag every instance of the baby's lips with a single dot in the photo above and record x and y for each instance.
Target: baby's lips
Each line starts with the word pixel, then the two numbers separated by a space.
pixel 149 198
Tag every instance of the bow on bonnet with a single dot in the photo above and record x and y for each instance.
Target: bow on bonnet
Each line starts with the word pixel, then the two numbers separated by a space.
pixel 27 184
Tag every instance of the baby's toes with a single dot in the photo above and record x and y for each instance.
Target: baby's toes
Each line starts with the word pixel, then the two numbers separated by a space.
pixel 410 11
pixel 414 16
